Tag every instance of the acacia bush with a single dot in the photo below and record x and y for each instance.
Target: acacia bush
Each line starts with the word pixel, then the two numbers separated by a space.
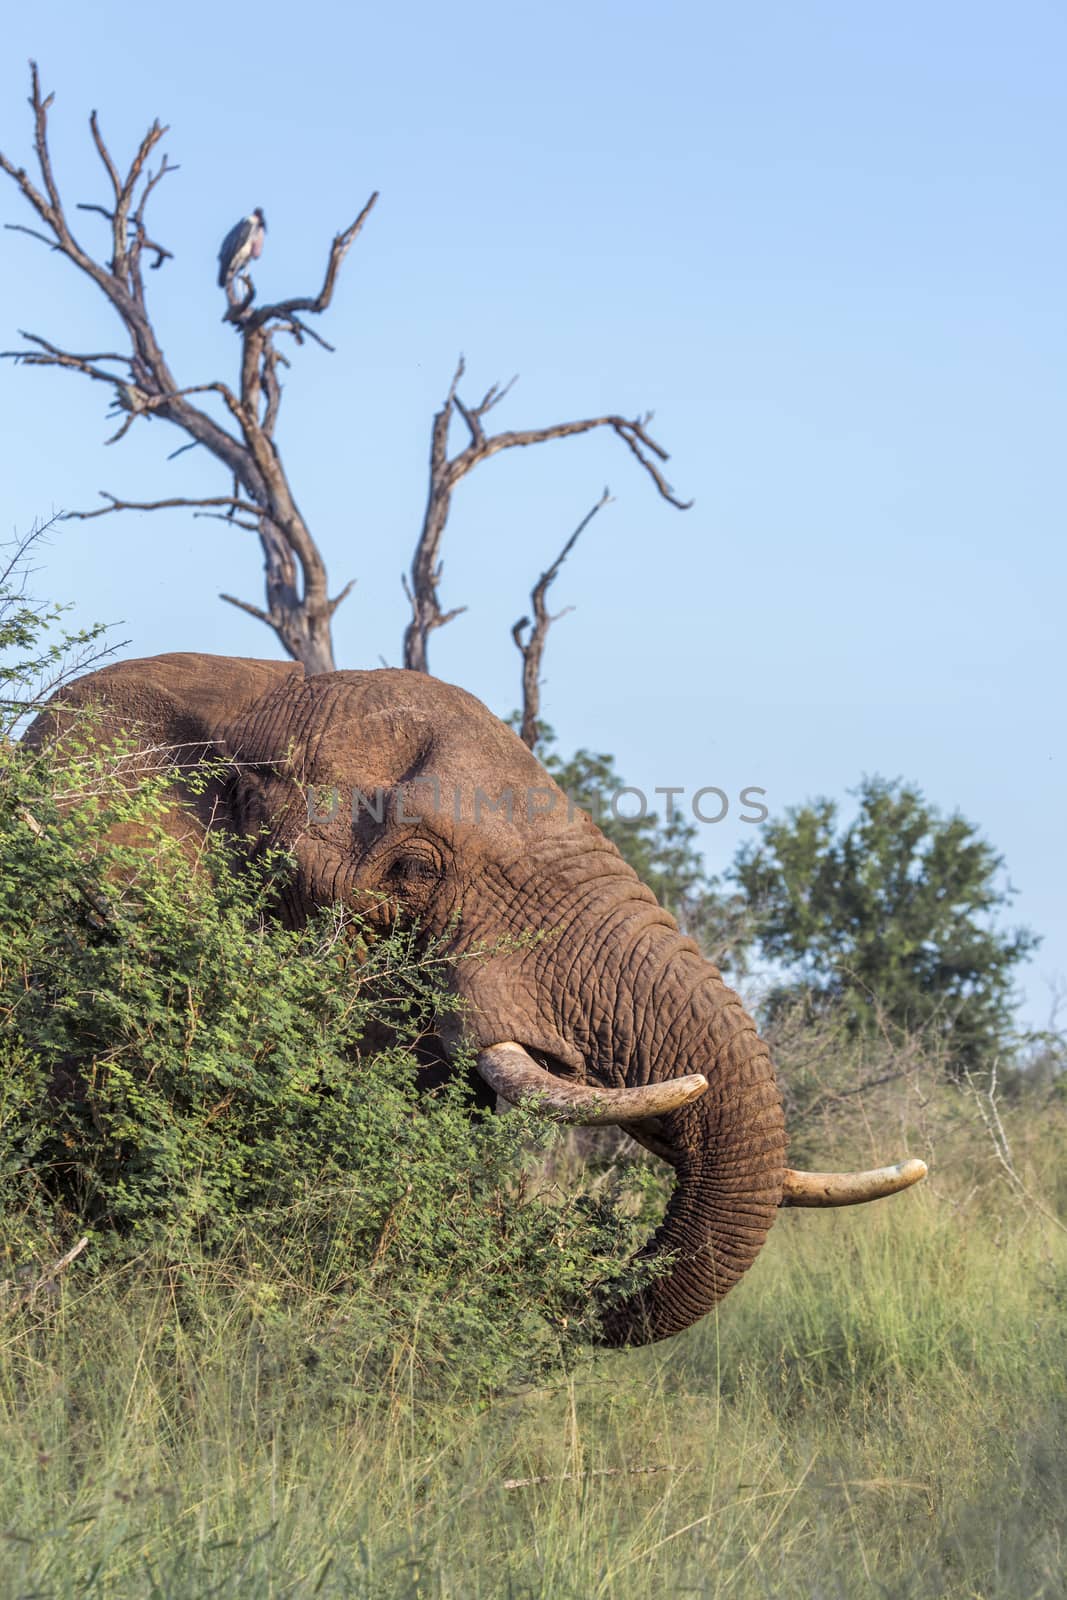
pixel 186 1081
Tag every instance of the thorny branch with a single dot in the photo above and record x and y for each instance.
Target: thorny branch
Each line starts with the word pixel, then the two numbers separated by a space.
pixel 446 472
pixel 532 648
pixel 299 607
pixel 985 1098
pixel 57 662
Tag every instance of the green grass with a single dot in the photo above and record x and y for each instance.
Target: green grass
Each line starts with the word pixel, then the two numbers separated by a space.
pixel 880 1408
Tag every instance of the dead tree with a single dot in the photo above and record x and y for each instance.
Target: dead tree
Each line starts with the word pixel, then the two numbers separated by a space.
pixel 532 646
pixel 446 472
pixel 298 606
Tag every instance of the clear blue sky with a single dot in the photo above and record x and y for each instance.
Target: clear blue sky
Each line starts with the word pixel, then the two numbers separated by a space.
pixel 825 243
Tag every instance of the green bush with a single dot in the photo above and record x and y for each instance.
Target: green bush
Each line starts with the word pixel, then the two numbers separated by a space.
pixel 186 1081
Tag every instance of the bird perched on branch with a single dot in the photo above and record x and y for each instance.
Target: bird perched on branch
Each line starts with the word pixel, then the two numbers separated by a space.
pixel 242 244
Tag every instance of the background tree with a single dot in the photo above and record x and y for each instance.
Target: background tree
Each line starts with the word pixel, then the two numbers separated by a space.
pixel 240 430
pixel 898 907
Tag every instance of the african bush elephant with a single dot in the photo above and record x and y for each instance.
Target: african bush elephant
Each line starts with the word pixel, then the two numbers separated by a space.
pixel 390 789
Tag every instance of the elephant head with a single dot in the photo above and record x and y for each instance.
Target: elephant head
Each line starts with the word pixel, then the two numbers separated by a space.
pixel 398 794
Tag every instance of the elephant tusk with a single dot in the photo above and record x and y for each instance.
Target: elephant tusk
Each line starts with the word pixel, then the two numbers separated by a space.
pixel 848 1188
pixel 514 1075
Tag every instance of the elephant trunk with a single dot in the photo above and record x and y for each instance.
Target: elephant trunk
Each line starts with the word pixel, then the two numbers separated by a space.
pixel 636 1009
pixel 644 1010
pixel 728 1152
pixel 648 1036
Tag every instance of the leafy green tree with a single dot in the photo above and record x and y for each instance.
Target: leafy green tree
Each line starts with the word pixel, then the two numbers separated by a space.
pixel 895 912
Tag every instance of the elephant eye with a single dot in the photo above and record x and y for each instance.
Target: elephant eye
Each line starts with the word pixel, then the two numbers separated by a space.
pixel 413 871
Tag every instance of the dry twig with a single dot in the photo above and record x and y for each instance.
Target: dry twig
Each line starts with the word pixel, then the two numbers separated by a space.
pixel 532 648
pixel 576 1477
pixel 49 1277
pixel 985 1098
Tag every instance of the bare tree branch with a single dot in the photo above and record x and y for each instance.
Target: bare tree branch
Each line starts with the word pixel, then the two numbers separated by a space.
pixel 532 647
pixel 341 595
pixel 17 227
pixel 40 126
pixel 421 591
pixel 157 505
pixel 245 605
pixel 299 606
pixel 342 243
pixel 105 155
pixel 446 472
pixel 229 518
pixel 47 349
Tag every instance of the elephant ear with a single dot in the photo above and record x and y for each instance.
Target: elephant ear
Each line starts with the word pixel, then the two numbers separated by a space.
pixel 183 700
pixel 178 709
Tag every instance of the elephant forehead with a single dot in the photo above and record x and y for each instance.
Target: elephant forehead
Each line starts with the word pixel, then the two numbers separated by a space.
pixel 383 745
pixel 384 727
pixel 332 724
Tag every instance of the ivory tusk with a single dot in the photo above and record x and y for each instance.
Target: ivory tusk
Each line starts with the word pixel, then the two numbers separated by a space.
pixel 848 1188
pixel 513 1073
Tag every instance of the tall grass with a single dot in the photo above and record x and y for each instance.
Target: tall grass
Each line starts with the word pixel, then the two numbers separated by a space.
pixel 879 1408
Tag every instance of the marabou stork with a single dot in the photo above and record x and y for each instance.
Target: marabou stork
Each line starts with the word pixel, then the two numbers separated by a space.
pixel 242 244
